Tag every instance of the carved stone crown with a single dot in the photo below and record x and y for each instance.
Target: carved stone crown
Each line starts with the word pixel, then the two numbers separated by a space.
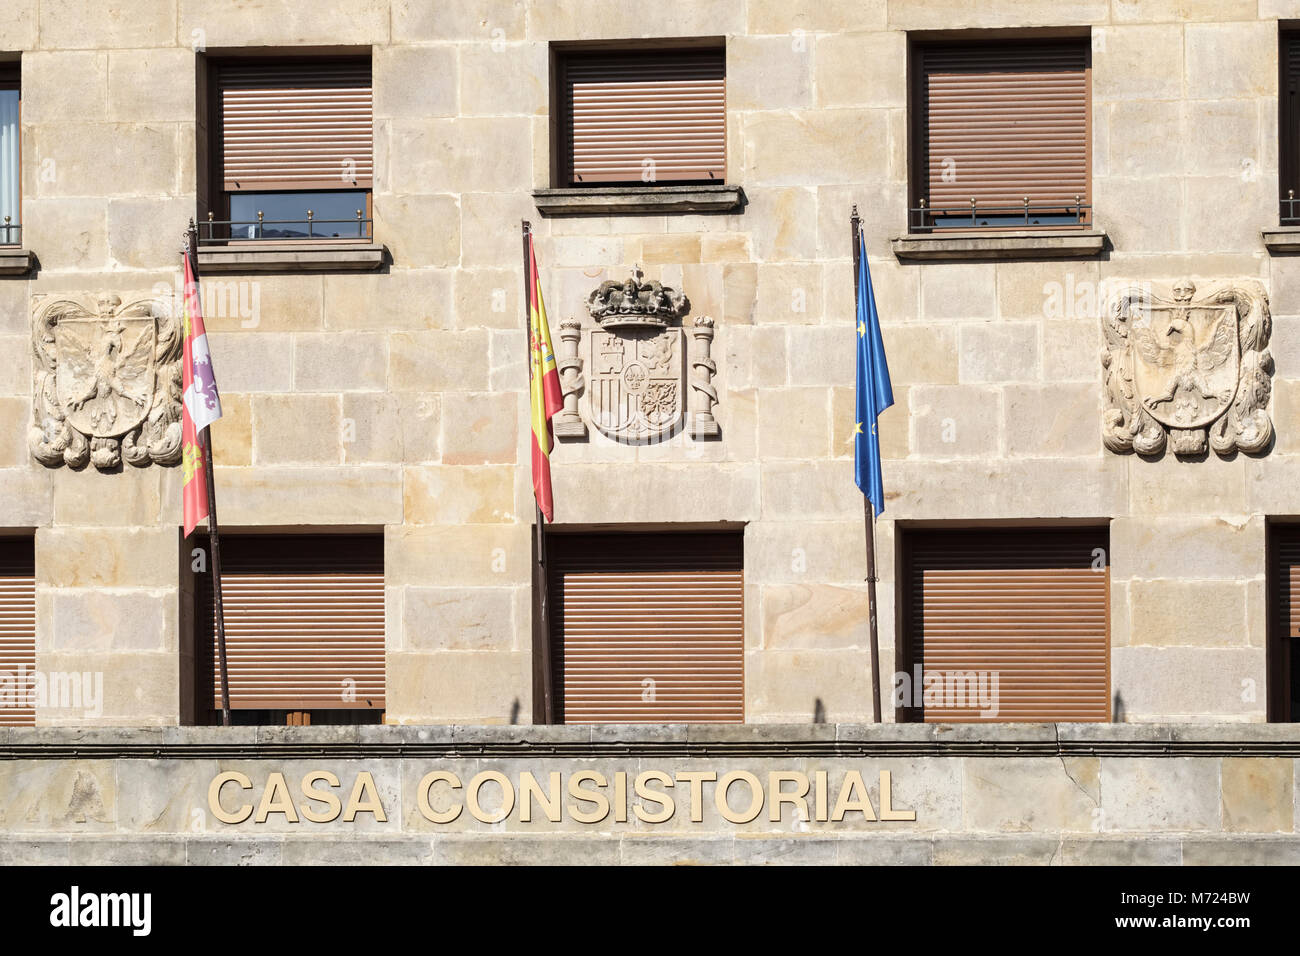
pixel 634 303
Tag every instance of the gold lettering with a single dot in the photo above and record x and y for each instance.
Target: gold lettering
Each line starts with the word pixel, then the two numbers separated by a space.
pixel 320 796
pixel 271 803
pixel 697 779
pixel 530 788
pixel 426 805
pixel 620 796
pixel 654 796
pixel 823 793
pixel 578 792
pixel 507 797
pixel 360 803
pixel 846 801
pixel 755 796
pixel 214 797
pixel 887 811
pixel 796 799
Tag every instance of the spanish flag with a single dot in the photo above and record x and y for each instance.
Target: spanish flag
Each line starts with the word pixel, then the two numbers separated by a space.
pixel 200 404
pixel 545 398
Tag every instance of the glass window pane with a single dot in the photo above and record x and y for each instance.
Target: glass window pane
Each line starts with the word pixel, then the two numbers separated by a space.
pixel 284 215
pixel 9 177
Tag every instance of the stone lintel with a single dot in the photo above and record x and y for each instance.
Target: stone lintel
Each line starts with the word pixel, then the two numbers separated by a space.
pixel 291 257
pixel 1017 244
pixel 611 200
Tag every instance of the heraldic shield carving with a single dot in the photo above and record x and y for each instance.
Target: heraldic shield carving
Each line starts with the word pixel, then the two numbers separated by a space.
pixel 107 383
pixel 637 381
pixel 1182 369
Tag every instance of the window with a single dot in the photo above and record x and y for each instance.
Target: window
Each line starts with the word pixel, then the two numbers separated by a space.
pixel 647 628
pixel 1289 129
pixel 304 621
pixel 1284 622
pixel 17 632
pixel 1001 135
pixel 10 157
pixel 1005 625
pixel 291 149
pixel 642 118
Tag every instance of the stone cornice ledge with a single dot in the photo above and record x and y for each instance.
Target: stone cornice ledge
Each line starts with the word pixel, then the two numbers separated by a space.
pixel 1019 244
pixel 15 261
pixel 291 257
pixel 672 740
pixel 644 200
pixel 1282 238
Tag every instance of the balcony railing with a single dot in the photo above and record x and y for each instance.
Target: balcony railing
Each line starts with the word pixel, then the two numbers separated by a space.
pixel 976 215
pixel 360 229
pixel 1290 212
pixel 11 233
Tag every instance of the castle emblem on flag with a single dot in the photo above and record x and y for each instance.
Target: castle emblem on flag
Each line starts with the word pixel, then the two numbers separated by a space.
pixel 1181 369
pixel 107 382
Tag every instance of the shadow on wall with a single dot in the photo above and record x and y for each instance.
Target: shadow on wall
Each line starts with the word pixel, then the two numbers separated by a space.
pixel 819 711
pixel 1117 712
pixel 514 711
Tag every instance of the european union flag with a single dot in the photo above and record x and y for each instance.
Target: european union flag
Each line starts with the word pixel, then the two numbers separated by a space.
pixel 875 394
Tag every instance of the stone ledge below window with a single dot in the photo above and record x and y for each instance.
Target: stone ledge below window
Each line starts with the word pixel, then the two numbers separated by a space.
pixel 292 257
pixel 644 200
pixel 1282 238
pixel 15 261
pixel 1020 244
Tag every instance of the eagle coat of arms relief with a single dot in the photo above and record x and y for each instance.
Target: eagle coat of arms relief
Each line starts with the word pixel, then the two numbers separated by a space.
pixel 107 383
pixel 1183 371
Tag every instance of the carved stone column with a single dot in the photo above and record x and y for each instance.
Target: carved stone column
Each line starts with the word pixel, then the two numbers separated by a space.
pixel 568 424
pixel 703 395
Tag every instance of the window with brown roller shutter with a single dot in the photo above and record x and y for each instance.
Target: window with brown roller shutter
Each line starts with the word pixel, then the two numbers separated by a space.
pixel 642 117
pixel 999 123
pixel 1284 622
pixel 17 631
pixel 304 621
pixel 1029 605
pixel 647 628
pixel 1289 128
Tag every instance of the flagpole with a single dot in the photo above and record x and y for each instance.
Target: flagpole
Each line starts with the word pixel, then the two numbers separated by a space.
pixel 214 535
pixel 869 512
pixel 541 623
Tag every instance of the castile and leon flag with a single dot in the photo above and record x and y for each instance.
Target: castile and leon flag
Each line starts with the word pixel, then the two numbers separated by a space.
pixel 201 406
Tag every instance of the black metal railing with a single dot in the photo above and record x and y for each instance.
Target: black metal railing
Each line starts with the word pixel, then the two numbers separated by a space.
pixel 11 233
pixel 1289 215
pixel 976 215
pixel 261 228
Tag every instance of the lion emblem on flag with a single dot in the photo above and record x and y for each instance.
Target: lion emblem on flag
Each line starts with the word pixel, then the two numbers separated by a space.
pixel 107 382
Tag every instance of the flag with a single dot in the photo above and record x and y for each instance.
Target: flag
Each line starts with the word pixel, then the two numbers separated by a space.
pixel 200 404
pixel 874 393
pixel 545 398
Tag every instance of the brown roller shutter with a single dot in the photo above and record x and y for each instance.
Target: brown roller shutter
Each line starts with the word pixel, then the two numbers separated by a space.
pixel 1002 122
pixel 1284 621
pixel 1289 122
pixel 1024 604
pixel 304 614
pixel 17 630
pixel 299 126
pixel 623 109
pixel 628 609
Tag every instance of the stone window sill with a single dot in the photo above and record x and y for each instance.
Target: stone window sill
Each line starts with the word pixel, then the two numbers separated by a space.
pixel 319 256
pixel 15 261
pixel 640 200
pixel 1282 238
pixel 1018 244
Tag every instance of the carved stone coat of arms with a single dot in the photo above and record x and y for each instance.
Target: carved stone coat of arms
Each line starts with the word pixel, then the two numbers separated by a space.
pixel 635 388
pixel 107 383
pixel 1181 370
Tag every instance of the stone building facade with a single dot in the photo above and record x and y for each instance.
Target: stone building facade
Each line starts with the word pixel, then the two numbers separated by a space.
pixel 394 400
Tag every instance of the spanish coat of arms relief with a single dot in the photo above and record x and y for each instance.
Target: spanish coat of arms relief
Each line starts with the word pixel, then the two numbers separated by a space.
pixel 1183 371
pixel 107 383
pixel 634 371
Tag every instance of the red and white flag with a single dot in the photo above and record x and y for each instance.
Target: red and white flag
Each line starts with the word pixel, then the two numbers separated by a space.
pixel 201 404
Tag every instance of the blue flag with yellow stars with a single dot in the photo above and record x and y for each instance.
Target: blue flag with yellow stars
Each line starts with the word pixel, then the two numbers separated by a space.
pixel 874 391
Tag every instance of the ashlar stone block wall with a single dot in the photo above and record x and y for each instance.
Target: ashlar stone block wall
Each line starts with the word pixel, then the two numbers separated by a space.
pixel 397 400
